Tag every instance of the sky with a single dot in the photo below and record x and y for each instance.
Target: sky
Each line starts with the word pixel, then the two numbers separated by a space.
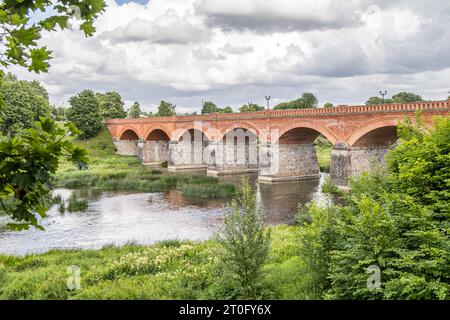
pixel 233 52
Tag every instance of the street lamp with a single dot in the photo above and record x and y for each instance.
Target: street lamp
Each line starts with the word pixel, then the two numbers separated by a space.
pixel 268 102
pixel 383 94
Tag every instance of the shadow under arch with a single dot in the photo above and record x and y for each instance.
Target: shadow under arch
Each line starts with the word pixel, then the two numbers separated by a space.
pixel 129 135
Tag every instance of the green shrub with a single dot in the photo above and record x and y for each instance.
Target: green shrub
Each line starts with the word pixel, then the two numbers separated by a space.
pixel 245 246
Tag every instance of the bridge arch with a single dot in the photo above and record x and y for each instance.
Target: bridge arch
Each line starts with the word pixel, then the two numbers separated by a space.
pixel 247 127
pixel 129 133
pixel 377 132
pixel 306 131
pixel 157 134
pixel 192 133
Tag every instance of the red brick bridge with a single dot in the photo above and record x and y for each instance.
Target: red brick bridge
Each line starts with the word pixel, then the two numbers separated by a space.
pixel 279 145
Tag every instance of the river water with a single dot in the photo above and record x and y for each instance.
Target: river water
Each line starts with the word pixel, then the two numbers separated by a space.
pixel 145 218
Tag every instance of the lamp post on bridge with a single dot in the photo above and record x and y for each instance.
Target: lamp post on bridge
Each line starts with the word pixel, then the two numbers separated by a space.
pixel 268 102
pixel 383 94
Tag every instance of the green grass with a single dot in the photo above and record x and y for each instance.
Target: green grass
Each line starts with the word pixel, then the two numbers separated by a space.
pixel 323 149
pixel 167 270
pixel 108 171
pixel 208 191
pixel 76 205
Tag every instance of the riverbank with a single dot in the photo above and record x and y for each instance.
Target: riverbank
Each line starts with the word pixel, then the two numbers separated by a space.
pixel 110 172
pixel 167 270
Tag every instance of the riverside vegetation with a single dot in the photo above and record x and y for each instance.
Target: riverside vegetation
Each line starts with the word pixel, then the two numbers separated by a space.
pixel 395 218
pixel 108 171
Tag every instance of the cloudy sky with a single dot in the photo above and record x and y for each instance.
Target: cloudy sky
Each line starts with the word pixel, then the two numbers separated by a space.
pixel 236 51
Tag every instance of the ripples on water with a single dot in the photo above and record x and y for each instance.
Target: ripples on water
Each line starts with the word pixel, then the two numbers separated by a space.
pixel 145 218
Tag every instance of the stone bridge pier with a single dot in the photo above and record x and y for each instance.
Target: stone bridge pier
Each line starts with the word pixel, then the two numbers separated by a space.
pixel 189 152
pixel 155 149
pixel 292 157
pixel 235 153
pixel 360 154
pixel 127 144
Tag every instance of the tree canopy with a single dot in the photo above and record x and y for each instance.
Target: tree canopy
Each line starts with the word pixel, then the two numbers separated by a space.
pixel 135 110
pixel 111 105
pixel 401 97
pixel 166 109
pixel 24 103
pixel 252 107
pixel 210 108
pixel 307 100
pixel 85 113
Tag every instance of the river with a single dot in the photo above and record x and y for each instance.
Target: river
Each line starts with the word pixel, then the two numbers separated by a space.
pixel 145 218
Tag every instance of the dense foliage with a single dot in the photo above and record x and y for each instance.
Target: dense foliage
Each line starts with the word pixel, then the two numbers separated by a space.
pixel 111 105
pixel 209 108
pixel 401 97
pixel 395 220
pixel 85 113
pixel 135 110
pixel 245 245
pixel 307 100
pixel 24 103
pixel 251 107
pixel 27 161
pixel 166 109
pixel 28 158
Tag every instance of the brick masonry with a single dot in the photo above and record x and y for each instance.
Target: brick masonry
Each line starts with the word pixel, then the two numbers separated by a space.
pixel 356 132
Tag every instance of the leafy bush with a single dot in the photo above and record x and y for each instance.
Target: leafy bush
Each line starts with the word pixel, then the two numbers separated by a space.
pixel 245 246
pixel 395 220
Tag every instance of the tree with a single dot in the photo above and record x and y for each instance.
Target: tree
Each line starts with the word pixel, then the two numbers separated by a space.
pixel 85 113
pixel 406 97
pixel 29 158
pixel 252 107
pixel 209 108
pixel 111 105
pixel 245 243
pixel 307 100
pixel 226 110
pixel 24 103
pixel 401 97
pixel 135 110
pixel 328 105
pixel 166 109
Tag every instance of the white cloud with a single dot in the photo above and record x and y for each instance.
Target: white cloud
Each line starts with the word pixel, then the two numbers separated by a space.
pixel 232 52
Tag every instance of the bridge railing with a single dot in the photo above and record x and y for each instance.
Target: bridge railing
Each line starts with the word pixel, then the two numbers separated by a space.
pixel 342 109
